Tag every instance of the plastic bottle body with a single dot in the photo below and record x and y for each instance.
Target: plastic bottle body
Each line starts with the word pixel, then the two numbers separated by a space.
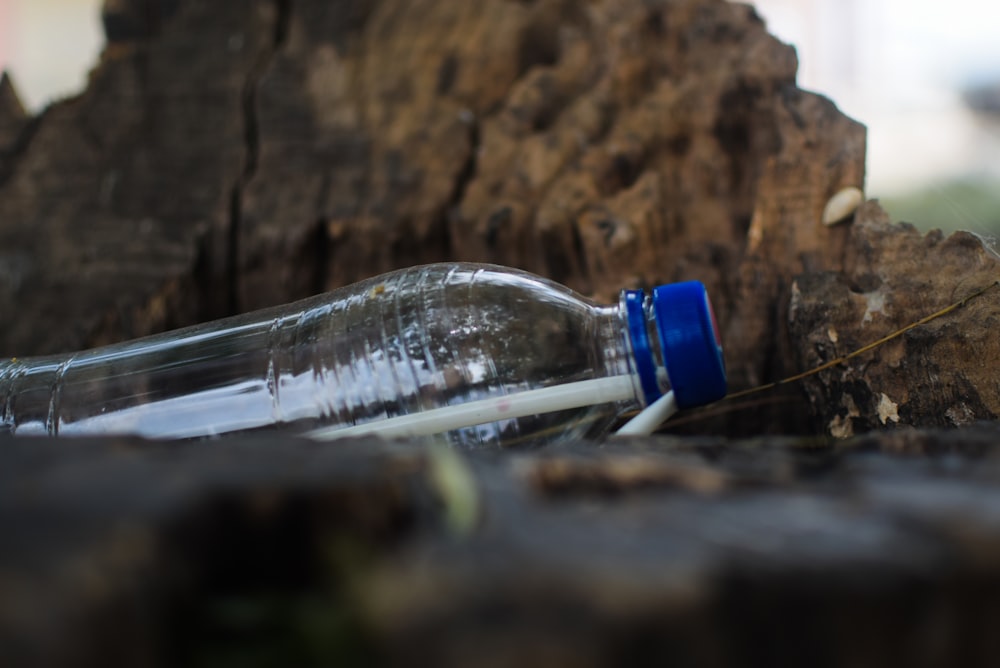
pixel 409 341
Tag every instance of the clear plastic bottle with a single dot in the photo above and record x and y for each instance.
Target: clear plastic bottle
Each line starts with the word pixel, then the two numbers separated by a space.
pixel 428 338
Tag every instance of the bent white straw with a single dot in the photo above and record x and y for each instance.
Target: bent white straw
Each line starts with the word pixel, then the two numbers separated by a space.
pixel 655 414
pixel 519 404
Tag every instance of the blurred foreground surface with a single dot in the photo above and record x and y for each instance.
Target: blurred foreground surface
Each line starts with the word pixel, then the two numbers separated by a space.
pixel 275 551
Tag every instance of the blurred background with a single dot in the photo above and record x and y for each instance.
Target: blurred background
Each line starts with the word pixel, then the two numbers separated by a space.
pixel 48 46
pixel 923 75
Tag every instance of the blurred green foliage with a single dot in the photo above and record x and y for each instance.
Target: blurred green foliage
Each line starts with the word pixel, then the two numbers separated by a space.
pixel 971 204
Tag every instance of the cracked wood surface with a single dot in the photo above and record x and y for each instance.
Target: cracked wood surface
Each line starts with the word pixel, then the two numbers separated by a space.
pixel 942 374
pixel 304 145
pixel 229 157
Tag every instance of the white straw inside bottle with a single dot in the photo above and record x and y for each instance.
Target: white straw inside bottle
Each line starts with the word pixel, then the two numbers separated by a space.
pixel 494 409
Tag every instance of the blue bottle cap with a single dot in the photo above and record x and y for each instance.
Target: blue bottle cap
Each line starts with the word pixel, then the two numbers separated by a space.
pixel 689 338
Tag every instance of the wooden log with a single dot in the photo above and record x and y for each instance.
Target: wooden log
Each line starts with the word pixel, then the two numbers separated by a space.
pixel 306 145
pixel 120 202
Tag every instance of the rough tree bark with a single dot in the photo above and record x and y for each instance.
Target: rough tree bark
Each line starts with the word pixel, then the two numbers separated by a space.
pixel 227 156
pixel 305 145
pixel 943 374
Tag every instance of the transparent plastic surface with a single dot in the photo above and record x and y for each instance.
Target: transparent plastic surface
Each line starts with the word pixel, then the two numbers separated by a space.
pixel 413 340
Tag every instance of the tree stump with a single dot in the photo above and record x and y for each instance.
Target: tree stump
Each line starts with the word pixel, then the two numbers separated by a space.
pixel 228 156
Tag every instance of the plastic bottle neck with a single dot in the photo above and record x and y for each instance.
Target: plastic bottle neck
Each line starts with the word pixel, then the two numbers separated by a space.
pixel 646 355
pixel 5 369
